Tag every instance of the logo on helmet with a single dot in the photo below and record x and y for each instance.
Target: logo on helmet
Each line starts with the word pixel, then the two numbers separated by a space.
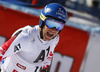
pixel 47 10
pixel 61 13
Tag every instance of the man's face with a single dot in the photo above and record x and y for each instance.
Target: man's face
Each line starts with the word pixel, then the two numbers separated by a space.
pixel 49 33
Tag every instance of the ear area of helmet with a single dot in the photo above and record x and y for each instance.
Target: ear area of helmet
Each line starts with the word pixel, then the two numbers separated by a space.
pixel 42 17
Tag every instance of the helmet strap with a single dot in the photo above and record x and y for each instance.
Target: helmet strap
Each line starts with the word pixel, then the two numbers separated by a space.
pixel 41 33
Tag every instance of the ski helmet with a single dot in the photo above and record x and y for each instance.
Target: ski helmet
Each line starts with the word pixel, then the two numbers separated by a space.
pixel 53 10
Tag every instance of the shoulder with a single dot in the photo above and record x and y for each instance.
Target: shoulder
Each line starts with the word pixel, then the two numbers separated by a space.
pixel 24 36
pixel 26 30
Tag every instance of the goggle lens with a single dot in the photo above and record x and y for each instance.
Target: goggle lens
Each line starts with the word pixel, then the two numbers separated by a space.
pixel 52 23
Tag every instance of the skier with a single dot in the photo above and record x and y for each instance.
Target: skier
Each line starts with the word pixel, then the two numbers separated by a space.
pixel 31 48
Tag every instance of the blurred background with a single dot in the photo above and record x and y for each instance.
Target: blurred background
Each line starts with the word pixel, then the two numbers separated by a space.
pixel 79 11
pixel 82 31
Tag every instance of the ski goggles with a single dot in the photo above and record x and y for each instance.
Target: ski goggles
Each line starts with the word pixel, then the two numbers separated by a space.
pixel 52 23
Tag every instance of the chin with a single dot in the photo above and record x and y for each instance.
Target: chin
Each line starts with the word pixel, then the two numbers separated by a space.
pixel 48 38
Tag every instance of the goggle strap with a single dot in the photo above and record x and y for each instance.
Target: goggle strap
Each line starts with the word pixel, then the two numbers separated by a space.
pixel 42 17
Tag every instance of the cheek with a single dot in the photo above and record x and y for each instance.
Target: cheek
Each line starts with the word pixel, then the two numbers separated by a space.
pixel 45 30
pixel 56 33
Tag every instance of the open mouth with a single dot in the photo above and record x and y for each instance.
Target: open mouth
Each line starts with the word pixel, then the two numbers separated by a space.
pixel 49 34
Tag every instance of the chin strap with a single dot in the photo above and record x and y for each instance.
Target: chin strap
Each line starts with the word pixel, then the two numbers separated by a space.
pixel 41 33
